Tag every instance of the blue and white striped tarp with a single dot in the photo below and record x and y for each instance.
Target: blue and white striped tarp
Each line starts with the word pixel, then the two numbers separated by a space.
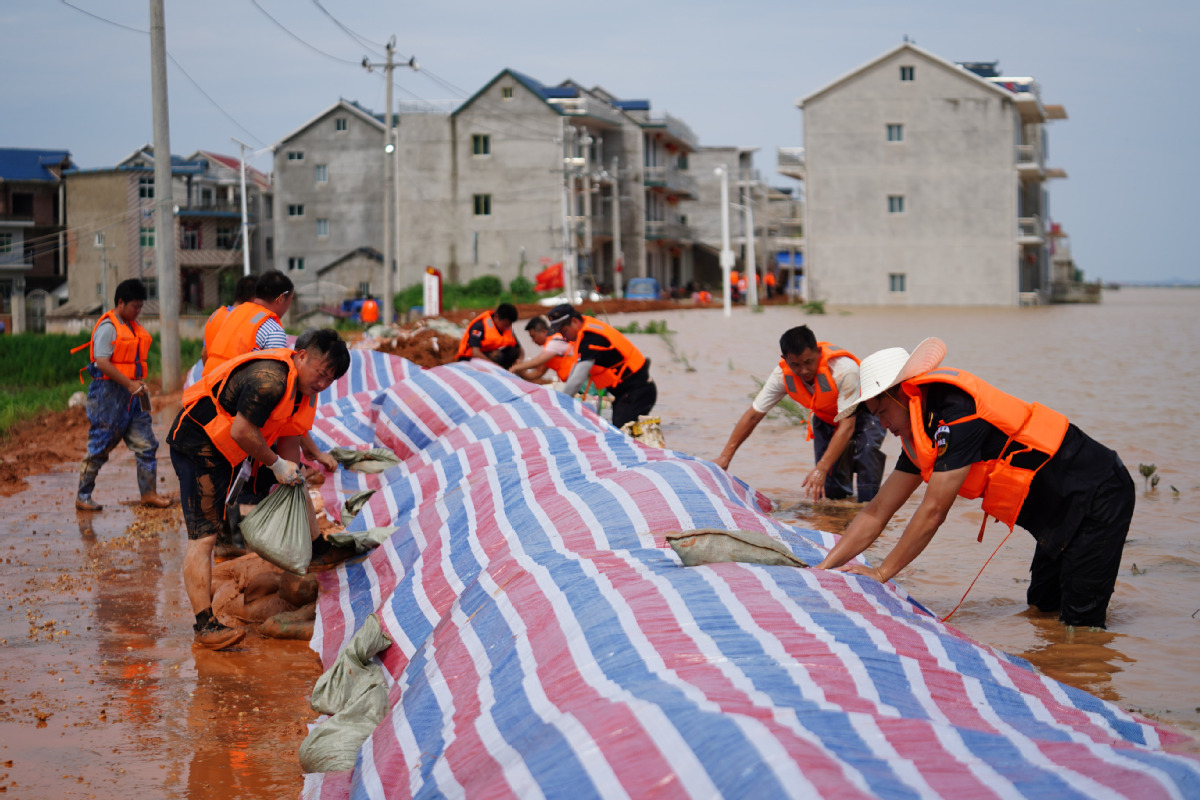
pixel 547 641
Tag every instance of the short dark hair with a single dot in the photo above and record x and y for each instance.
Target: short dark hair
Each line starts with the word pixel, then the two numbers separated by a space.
pixel 795 341
pixel 507 311
pixel 327 343
pixel 271 284
pixel 129 291
pixel 244 291
pixel 538 323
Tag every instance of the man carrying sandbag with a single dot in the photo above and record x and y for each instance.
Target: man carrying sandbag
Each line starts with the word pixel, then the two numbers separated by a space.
pixel 241 409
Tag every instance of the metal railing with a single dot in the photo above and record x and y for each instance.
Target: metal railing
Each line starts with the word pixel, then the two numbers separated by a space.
pixel 789 156
pixel 667 229
pixel 1029 228
pixel 672 179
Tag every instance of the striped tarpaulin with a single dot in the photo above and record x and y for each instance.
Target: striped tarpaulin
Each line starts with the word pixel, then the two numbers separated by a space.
pixel 547 642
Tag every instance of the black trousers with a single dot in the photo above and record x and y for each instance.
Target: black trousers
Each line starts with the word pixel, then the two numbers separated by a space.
pixel 635 396
pixel 1079 581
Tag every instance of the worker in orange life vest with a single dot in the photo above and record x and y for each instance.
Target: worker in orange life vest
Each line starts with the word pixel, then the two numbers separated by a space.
pixel 117 363
pixel 817 375
pixel 243 293
pixel 557 355
pixel 490 336
pixel 253 405
pixel 609 360
pixel 965 438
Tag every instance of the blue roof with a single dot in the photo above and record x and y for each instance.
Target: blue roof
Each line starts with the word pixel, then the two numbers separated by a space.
pixel 632 105
pixel 541 89
pixel 21 164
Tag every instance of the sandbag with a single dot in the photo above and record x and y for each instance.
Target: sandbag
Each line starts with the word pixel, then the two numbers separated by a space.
pixel 354 504
pixel 354 692
pixel 373 460
pixel 362 540
pixel 278 529
pixel 714 546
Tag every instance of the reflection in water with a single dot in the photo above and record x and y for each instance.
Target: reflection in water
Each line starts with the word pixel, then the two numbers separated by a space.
pixel 1086 658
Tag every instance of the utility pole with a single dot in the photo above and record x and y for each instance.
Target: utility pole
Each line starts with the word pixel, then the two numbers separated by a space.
pixel 586 141
pixel 164 206
pixel 726 254
pixel 618 256
pixel 751 256
pixel 99 245
pixel 568 265
pixel 245 216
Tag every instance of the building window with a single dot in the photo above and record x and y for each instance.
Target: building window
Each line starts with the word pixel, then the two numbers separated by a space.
pixel 295 209
pixel 906 73
pixel 895 133
pixel 340 124
pixel 295 155
pixel 506 92
pixel 322 173
pixel 295 263
pixel 364 288
pixel 481 144
pixel 896 282
pixel 189 237
pixel 322 227
pixel 895 204
pixel 146 188
pixel 483 205
pixel 270 247
pixel 6 242
pixel 226 237
pixel 151 285
pixel 147 236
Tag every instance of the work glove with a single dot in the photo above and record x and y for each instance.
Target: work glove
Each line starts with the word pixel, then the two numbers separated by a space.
pixel 286 471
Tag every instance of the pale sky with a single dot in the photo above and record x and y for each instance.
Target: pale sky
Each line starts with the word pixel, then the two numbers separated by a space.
pixel 732 71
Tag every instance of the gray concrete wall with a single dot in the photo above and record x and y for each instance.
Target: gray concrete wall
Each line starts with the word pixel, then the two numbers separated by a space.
pixel 351 199
pixel 427 218
pixel 956 239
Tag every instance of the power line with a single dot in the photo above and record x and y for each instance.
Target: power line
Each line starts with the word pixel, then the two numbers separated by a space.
pixel 312 47
pixel 358 38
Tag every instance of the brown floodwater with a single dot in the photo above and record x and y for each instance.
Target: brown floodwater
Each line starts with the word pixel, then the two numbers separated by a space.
pixel 1124 371
pixel 101 692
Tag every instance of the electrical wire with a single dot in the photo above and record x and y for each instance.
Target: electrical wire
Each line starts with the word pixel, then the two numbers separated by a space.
pixel 358 38
pixel 312 47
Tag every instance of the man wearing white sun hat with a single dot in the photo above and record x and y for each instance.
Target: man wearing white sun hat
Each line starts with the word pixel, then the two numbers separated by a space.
pixel 1029 464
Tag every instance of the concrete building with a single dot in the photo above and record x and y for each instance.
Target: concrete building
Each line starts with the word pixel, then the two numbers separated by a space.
pixel 32 235
pixel 519 175
pixel 925 184
pixel 112 230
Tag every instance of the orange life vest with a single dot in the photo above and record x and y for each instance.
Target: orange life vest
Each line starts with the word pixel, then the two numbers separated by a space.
pixel 237 334
pixel 130 348
pixel 822 402
pixel 213 325
pixel 733 277
pixel 1002 485
pixel 283 421
pixel 369 312
pixel 562 365
pixel 770 279
pixel 633 360
pixel 493 339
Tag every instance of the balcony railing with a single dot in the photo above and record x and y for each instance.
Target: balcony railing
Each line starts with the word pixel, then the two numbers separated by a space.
pixel 790 156
pixel 673 180
pixel 664 229
pixel 675 128
pixel 588 107
pixel 14 257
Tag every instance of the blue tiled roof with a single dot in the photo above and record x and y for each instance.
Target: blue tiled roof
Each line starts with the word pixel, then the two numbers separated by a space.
pixel 632 105
pixel 21 164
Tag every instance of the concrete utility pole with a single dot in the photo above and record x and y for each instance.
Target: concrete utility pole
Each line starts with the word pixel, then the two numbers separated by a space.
pixel 586 141
pixel 751 256
pixel 618 256
pixel 391 183
pixel 245 216
pixel 726 254
pixel 568 265
pixel 99 245
pixel 164 206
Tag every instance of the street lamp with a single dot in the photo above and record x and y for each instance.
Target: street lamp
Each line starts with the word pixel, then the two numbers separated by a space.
pixel 245 217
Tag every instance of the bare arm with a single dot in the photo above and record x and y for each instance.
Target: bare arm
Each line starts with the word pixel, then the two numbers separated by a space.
pixel 110 371
pixel 314 453
pixel 814 482
pixel 540 360
pixel 741 432
pixel 251 440
pixel 939 496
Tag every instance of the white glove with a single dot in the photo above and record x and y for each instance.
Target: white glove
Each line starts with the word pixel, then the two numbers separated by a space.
pixel 286 471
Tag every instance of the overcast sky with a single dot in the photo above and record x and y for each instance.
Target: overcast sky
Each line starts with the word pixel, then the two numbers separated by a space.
pixel 1125 72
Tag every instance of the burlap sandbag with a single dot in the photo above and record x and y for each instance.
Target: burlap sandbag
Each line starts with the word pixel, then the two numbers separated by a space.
pixel 714 546
pixel 373 460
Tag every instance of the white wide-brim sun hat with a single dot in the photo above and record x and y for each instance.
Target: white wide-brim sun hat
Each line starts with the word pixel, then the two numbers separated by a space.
pixel 884 369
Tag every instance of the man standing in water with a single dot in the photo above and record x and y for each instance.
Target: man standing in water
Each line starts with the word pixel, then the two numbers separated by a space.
pixel 1032 468
pixel 816 375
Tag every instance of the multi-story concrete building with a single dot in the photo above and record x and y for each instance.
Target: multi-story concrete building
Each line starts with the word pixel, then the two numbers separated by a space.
pixel 519 175
pixel 925 184
pixel 32 234
pixel 113 229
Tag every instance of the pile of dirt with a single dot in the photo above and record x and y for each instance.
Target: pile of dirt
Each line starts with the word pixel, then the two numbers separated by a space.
pixel 421 345
pixel 33 447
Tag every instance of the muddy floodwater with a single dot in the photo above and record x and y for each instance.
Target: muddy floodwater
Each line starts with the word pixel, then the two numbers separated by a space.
pixel 101 692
